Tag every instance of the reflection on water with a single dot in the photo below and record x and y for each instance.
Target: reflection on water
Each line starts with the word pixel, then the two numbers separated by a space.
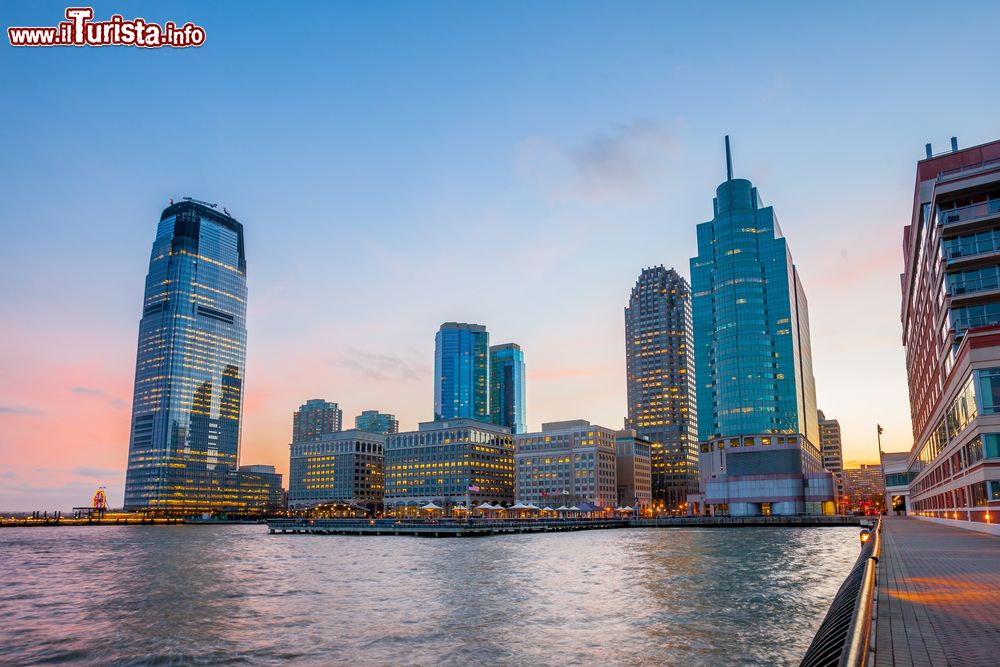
pixel 234 594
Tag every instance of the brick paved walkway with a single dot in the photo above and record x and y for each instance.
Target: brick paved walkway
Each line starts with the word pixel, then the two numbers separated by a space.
pixel 938 595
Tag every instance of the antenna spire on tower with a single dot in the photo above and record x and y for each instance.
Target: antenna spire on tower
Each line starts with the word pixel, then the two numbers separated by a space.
pixel 729 161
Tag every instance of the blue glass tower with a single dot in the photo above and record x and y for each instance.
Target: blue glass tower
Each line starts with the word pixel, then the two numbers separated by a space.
pixel 187 404
pixel 756 394
pixel 507 387
pixel 461 372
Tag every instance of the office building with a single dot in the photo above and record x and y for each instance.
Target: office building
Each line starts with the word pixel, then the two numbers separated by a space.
pixel 316 418
pixel 832 452
pixel 951 332
pixel 345 467
pixel 757 417
pixel 507 387
pixel 188 400
pixel 260 490
pixel 567 463
pixel 450 463
pixel 864 487
pixel 374 421
pixel 634 471
pixel 659 361
pixel 461 372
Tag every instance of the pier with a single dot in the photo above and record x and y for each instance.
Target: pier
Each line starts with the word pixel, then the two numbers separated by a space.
pixel 485 527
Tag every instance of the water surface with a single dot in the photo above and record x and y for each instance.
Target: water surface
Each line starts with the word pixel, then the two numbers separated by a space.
pixel 236 595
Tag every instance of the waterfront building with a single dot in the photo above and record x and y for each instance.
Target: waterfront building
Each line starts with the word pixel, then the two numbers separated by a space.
pixel 659 361
pixel 757 417
pixel 864 489
pixel 633 470
pixel 951 332
pixel 567 463
pixel 450 463
pixel 374 421
pixel 345 467
pixel 832 451
pixel 507 399
pixel 896 481
pixel 188 399
pixel 461 372
pixel 260 490
pixel 316 418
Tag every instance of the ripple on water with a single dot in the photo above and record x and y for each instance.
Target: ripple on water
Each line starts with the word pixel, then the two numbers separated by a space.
pixel 234 594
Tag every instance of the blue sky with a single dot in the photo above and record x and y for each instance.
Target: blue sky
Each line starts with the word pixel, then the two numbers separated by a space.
pixel 397 165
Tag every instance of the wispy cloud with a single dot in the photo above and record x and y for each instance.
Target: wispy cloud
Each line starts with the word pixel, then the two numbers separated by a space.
pixel 19 410
pixel 87 391
pixel 620 164
pixel 374 366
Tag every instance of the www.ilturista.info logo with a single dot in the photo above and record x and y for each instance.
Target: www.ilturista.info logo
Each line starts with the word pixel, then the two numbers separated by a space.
pixel 80 30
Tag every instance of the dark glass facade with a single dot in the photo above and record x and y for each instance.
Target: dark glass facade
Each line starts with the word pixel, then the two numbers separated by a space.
pixel 659 344
pixel 374 421
pixel 461 372
pixel 507 387
pixel 187 405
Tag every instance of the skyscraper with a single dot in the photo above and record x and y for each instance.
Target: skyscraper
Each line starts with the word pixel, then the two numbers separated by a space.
pixel 316 418
pixel 187 405
pixel 951 331
pixel 829 443
pixel 461 372
pixel 374 421
pixel 756 394
pixel 659 362
pixel 507 387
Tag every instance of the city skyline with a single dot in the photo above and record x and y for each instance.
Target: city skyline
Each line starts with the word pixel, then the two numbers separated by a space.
pixel 638 157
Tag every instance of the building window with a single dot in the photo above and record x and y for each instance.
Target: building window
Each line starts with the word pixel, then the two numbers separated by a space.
pixel 989 390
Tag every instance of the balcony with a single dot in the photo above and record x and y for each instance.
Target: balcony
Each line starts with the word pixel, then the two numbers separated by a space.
pixel 968 169
pixel 969 213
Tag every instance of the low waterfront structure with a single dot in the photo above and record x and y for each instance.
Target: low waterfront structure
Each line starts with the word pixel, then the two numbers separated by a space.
pixel 260 490
pixel 896 479
pixel 449 464
pixel 634 470
pixel 345 467
pixel 567 463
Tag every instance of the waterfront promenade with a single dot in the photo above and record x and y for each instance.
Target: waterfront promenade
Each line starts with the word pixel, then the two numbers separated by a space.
pixel 938 595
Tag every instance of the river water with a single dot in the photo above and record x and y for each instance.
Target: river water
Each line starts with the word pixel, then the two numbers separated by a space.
pixel 236 595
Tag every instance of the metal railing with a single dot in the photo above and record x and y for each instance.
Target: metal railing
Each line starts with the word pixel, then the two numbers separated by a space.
pixel 844 638
pixel 950 216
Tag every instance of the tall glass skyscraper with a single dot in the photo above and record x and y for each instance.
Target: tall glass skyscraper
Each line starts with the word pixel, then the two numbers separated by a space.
pixel 461 372
pixel 659 344
pixel 753 363
pixel 187 405
pixel 507 387
pixel 374 421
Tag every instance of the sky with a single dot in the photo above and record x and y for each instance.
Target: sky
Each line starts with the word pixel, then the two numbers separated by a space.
pixel 398 165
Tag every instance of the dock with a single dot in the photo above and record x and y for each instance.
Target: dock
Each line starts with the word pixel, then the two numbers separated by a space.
pixel 486 527
pixel 938 595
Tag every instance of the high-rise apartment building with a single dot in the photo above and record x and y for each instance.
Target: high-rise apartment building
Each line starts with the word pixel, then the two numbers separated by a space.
pixel 462 372
pixel 634 470
pixel 188 400
pixel 757 421
pixel 567 463
pixel 659 360
pixel 829 443
pixel 507 387
pixel 374 421
pixel 951 331
pixel 316 418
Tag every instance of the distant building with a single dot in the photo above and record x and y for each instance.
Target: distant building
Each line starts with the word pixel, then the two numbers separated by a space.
pixel 634 470
pixel 374 421
pixel 567 463
pixel 455 462
pixel 951 331
pixel 461 372
pixel 757 420
pixel 832 452
pixel 659 360
pixel 260 490
pixel 316 418
pixel 188 400
pixel 864 489
pixel 346 467
pixel 507 399
pixel 896 480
